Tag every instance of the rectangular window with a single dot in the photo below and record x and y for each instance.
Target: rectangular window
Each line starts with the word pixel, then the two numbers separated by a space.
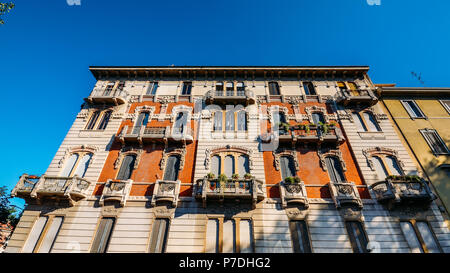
pixel 43 235
pixel 357 236
pixel 413 109
pixel 187 87
pixel 108 89
pixel 153 86
pixel 222 236
pixel 159 235
pixel 420 237
pixel 274 89
pixel 309 88
pixel 446 104
pixel 103 235
pixel 104 121
pixel 435 142
pixel 300 237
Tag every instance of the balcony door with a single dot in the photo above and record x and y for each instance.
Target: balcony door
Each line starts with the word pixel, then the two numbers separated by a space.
pixel 142 121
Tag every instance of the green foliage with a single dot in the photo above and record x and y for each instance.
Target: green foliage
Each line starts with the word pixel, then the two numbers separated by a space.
pixel 289 180
pixel 247 176
pixel 8 213
pixel 223 177
pixel 211 176
pixel 235 176
pixel 4 9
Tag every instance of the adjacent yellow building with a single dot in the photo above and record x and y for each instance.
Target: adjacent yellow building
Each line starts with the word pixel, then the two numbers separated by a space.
pixel 423 117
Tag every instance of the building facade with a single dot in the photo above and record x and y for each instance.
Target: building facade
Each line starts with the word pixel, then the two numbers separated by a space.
pixel 422 115
pixel 230 159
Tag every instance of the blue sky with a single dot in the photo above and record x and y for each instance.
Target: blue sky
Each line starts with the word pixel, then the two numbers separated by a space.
pixel 47 47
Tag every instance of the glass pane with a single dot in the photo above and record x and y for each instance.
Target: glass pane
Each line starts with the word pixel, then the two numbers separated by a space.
pixel 212 236
pixel 215 165
pixel 229 236
pixel 51 234
pixel 428 237
pixel 382 173
pixel 243 165
pixel 172 168
pixel 218 120
pixel 242 120
pixel 246 236
pixel 273 88
pixel 334 169
pixel 105 120
pixel 371 122
pixel 393 165
pixel 92 120
pixel 34 235
pixel 359 123
pixel 309 88
pixel 83 165
pixel 69 165
pixel 410 236
pixel 229 121
pixel 229 166
pixel 413 108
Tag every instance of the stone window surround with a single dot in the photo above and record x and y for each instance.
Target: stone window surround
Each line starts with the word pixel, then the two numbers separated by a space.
pixel 331 153
pixel 181 152
pixel 379 117
pixel 228 149
pixel 285 152
pixel 381 152
pixel 80 150
pixel 128 151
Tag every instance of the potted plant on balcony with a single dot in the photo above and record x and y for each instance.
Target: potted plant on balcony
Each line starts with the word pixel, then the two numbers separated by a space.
pixel 235 177
pixel 324 127
pixel 210 176
pixel 248 176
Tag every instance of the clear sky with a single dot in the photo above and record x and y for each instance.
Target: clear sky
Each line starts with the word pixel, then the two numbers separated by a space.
pixel 47 47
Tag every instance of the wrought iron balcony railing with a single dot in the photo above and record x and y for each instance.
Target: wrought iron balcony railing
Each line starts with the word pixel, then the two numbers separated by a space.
pixel 309 133
pixel 46 187
pixel 142 134
pixel 364 96
pixel 403 189
pixel 166 191
pixel 116 97
pixel 217 190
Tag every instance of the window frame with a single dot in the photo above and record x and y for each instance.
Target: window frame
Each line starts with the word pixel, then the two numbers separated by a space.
pixel 235 155
pixel 306 87
pixel 353 239
pixel 446 106
pixel 418 234
pixel 411 112
pixel 236 240
pixel 108 240
pixel 271 88
pixel 235 125
pixel 295 234
pixel 80 154
pixel 436 134
pixel 386 167
pixel 92 126
pixel 152 243
pixel 186 88
pixel 43 233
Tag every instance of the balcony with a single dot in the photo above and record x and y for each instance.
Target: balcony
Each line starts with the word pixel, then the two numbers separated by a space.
pixel 293 193
pixel 345 193
pixel 216 190
pixel 115 97
pixel 306 133
pixel 403 189
pixel 71 189
pixel 232 97
pixel 141 134
pixel 166 191
pixel 359 96
pixel 116 191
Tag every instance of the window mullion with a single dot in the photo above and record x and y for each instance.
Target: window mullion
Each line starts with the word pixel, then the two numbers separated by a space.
pixel 419 236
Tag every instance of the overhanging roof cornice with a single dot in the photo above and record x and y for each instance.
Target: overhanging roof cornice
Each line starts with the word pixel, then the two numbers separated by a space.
pixel 414 91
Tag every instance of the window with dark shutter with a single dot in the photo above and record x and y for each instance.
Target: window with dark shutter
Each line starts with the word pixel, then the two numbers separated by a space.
pixel 334 168
pixel 357 236
pixel 159 235
pixel 93 120
pixel 103 235
pixel 300 237
pixel 187 87
pixel 274 89
pixel 172 168
pixel 127 167
pixel 287 167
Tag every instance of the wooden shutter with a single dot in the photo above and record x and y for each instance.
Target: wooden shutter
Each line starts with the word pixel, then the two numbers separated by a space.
pixel 411 237
pixel 287 167
pixel 141 121
pixel 357 236
pixel 34 235
pixel 229 236
pixel 428 237
pixel 218 120
pixel 68 167
pixel 371 122
pixel 229 166
pixel 172 168
pixel 242 120
pixel 212 236
pixel 393 165
pixel 50 236
pixel 127 167
pixel 229 120
pixel 103 235
pixel 245 236
pixel 359 122
pixel 216 165
pixel 334 169
pixel 380 169
pixel 159 236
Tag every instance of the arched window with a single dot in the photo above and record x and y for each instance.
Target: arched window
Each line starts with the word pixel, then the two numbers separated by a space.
pixel 70 164
pixel 180 122
pixel 287 167
pixel 229 120
pixel 318 117
pixel 172 168
pixel 219 86
pixel 126 169
pixel 334 168
pixel 359 122
pixel 279 117
pixel 83 165
pixel 371 122
pixel 243 165
pixel 93 120
pixel 393 166
pixel 240 88
pixel 382 173
pixel 242 120
pixel 141 121
pixel 216 165
pixel 230 88
pixel 229 166
pixel 105 120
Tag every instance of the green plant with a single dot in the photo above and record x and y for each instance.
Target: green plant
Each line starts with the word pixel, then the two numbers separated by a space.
pixel 223 177
pixel 297 180
pixel 247 176
pixel 235 176
pixel 211 176
pixel 324 127
pixel 289 180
